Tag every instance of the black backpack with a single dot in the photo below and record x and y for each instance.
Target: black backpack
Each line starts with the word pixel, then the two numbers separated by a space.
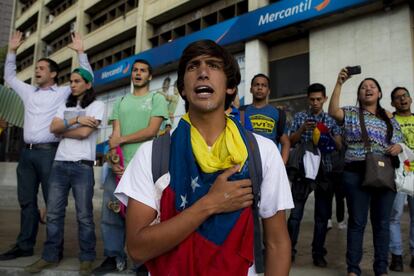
pixel 280 124
pixel 160 166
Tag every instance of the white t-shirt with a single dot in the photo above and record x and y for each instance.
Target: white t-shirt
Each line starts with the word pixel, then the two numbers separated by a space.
pixel 137 181
pixel 74 149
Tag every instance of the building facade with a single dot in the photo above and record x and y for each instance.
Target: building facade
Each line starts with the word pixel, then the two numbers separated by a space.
pixel 295 42
pixel 6 6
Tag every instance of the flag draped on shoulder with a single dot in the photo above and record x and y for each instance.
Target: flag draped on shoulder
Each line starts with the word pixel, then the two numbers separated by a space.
pixel 223 244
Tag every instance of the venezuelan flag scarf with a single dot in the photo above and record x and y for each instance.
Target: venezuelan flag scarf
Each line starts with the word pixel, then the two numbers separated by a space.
pixel 223 244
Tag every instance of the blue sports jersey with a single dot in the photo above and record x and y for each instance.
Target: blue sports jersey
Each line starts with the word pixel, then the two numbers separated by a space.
pixel 264 120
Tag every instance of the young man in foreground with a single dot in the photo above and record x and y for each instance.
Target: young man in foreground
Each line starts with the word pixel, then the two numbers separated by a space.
pixel 204 203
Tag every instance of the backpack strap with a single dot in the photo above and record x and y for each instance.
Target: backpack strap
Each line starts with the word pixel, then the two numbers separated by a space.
pixel 242 110
pixel 160 156
pixel 160 164
pixel 280 130
pixel 256 176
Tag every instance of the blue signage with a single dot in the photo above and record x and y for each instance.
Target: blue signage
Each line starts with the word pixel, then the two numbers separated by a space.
pixel 241 28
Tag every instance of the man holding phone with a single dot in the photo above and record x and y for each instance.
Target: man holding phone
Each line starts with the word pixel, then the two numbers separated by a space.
pixel 302 131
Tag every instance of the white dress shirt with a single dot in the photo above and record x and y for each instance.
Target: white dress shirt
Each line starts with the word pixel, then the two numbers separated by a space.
pixel 40 104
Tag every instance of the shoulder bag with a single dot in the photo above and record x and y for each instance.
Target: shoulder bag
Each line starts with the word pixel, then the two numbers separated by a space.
pixel 379 171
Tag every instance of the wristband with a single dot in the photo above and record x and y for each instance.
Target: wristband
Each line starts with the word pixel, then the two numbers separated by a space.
pixel 65 122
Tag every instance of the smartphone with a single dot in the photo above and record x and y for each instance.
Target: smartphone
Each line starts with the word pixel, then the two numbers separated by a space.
pixel 354 70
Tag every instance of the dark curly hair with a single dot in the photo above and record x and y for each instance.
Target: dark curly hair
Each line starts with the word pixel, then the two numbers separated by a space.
pixel 88 98
pixel 210 48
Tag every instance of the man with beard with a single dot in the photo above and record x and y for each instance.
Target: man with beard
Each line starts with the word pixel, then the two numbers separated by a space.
pixel 136 118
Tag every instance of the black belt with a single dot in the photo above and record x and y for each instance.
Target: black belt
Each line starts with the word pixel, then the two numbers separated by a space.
pixel 90 163
pixel 52 145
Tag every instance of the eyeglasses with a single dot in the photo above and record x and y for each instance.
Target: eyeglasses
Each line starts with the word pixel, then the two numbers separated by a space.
pixel 400 97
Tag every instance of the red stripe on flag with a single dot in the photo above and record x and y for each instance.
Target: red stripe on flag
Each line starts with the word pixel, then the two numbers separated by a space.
pixel 197 256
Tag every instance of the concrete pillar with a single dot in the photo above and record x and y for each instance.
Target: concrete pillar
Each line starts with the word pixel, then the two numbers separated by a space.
pixel 141 29
pixel 80 27
pixel 256 55
pixel 39 46
pixel 13 20
pixel 256 61
pixel 255 4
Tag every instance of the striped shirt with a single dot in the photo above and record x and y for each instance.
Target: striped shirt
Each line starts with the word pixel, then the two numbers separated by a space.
pixel 376 129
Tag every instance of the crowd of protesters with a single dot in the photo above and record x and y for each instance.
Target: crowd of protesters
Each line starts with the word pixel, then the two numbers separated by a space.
pixel 165 222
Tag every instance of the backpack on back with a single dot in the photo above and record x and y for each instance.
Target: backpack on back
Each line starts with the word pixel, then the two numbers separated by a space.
pixel 160 165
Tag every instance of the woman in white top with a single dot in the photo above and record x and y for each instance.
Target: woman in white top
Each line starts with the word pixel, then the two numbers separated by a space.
pixel 76 121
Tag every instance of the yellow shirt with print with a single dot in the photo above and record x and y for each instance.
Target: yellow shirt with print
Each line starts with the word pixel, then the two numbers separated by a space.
pixel 407 129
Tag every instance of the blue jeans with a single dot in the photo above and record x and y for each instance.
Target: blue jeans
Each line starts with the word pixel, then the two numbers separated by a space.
pixel 396 246
pixel 339 197
pixel 79 177
pixel 112 224
pixel 359 201
pixel 34 167
pixel 322 213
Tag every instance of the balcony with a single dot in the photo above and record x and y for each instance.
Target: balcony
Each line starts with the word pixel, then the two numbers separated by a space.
pixel 59 39
pixel 58 6
pixel 167 26
pixel 88 4
pixel 62 54
pixel 65 69
pixel 57 22
pixel 170 9
pixel 104 13
pixel 25 59
pixel 26 73
pixel 23 17
pixel 112 50
pixel 120 24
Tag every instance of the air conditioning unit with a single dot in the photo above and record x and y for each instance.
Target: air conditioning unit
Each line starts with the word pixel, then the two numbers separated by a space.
pixel 27 33
pixel 48 50
pixel 50 18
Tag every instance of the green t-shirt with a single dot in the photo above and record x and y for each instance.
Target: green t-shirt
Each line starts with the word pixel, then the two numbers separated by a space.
pixel 407 129
pixel 134 114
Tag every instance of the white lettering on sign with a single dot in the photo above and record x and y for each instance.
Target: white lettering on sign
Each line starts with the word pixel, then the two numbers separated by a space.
pixel 283 14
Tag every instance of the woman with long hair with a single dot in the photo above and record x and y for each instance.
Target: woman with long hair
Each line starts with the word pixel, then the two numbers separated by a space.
pixel 76 122
pixel 384 134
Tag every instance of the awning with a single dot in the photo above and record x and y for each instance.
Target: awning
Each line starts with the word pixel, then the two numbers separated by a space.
pixel 11 106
